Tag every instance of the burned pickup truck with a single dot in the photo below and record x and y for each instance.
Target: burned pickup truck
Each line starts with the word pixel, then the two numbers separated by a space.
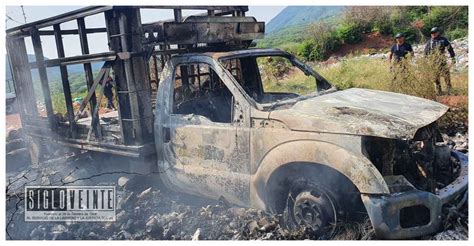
pixel 315 158
pixel 217 129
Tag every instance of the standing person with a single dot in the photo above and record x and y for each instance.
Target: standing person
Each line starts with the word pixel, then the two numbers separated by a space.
pixel 398 52
pixel 436 48
pixel 401 49
pixel 108 86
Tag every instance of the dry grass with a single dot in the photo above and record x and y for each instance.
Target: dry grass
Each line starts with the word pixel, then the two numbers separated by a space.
pixel 371 73
pixel 364 72
pixel 376 74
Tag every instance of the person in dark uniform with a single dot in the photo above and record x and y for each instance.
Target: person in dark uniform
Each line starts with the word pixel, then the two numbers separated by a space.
pixel 436 48
pixel 399 51
pixel 108 86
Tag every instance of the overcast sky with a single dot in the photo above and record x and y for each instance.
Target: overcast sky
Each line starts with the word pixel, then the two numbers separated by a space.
pixel 97 42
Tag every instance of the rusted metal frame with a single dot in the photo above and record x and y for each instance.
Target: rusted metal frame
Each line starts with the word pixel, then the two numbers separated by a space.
pixel 69 16
pixel 116 149
pixel 22 79
pixel 126 128
pixel 137 80
pixel 187 33
pixel 129 80
pixel 80 59
pixel 178 15
pixel 65 80
pixel 72 31
pixel 96 82
pixel 196 7
pixel 95 116
pixel 81 26
pixel 64 32
pixel 38 49
pixel 91 10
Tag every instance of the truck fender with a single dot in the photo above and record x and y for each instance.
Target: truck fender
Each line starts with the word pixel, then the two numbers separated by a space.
pixel 356 167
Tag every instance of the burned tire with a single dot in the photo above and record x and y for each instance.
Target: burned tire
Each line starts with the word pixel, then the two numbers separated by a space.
pixel 312 206
pixel 314 197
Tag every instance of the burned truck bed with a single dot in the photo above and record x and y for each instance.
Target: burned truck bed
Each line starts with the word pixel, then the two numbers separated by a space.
pixel 137 53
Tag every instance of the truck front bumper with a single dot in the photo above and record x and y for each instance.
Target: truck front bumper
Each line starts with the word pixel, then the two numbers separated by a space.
pixel 386 211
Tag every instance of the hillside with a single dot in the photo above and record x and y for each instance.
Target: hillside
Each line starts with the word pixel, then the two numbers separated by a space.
pixel 300 16
pixel 319 32
pixel 76 81
pixel 53 72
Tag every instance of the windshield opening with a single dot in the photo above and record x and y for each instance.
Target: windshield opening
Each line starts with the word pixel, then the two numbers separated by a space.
pixel 272 79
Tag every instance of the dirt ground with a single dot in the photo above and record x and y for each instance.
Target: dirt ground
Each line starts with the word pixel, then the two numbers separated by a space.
pixel 370 42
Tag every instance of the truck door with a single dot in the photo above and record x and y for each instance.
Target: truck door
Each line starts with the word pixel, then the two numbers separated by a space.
pixel 204 131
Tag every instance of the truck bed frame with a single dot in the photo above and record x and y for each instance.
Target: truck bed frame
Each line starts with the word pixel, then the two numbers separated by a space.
pixel 137 53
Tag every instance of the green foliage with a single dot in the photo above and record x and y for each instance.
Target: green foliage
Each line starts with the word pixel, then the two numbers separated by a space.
pixel 322 40
pixel 349 33
pixel 415 12
pixel 384 26
pixel 291 34
pixel 306 49
pixel 291 47
pixel 274 66
pixel 457 33
pixel 411 35
pixel 446 17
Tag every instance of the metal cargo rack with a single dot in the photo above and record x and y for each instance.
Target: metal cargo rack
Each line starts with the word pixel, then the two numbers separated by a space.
pixel 137 53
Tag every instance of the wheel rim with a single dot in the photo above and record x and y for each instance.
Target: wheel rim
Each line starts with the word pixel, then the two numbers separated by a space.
pixel 312 208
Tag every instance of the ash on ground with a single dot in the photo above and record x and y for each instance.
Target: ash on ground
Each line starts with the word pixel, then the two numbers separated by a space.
pixel 147 211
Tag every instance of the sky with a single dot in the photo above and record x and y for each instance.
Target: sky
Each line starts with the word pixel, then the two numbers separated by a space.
pixel 97 42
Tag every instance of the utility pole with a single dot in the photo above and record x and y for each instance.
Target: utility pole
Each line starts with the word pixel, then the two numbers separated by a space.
pixel 23 11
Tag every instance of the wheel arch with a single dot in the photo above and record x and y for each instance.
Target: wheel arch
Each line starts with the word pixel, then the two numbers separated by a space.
pixel 355 167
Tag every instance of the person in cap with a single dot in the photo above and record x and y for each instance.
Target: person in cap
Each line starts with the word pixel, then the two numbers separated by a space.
pixel 436 48
pixel 401 49
pixel 398 52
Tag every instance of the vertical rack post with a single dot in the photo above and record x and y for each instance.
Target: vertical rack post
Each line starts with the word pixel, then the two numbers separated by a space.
pixel 65 80
pixel 35 37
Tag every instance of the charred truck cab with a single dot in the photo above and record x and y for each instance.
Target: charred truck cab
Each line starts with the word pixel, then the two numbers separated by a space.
pixel 314 157
pixel 222 121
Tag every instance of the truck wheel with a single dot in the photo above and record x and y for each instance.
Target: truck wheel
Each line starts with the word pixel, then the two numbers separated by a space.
pixel 311 205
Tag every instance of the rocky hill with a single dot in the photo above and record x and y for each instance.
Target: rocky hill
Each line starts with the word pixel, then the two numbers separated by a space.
pixel 301 15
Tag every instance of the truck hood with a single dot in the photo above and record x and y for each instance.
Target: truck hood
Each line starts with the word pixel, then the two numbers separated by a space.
pixel 362 112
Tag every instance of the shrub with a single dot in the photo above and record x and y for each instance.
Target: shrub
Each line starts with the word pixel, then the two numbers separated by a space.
pixel 457 33
pixel 445 17
pixel 410 33
pixel 306 49
pixel 292 48
pixel 322 41
pixel 415 78
pixel 274 66
pixel 349 33
pixel 384 26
